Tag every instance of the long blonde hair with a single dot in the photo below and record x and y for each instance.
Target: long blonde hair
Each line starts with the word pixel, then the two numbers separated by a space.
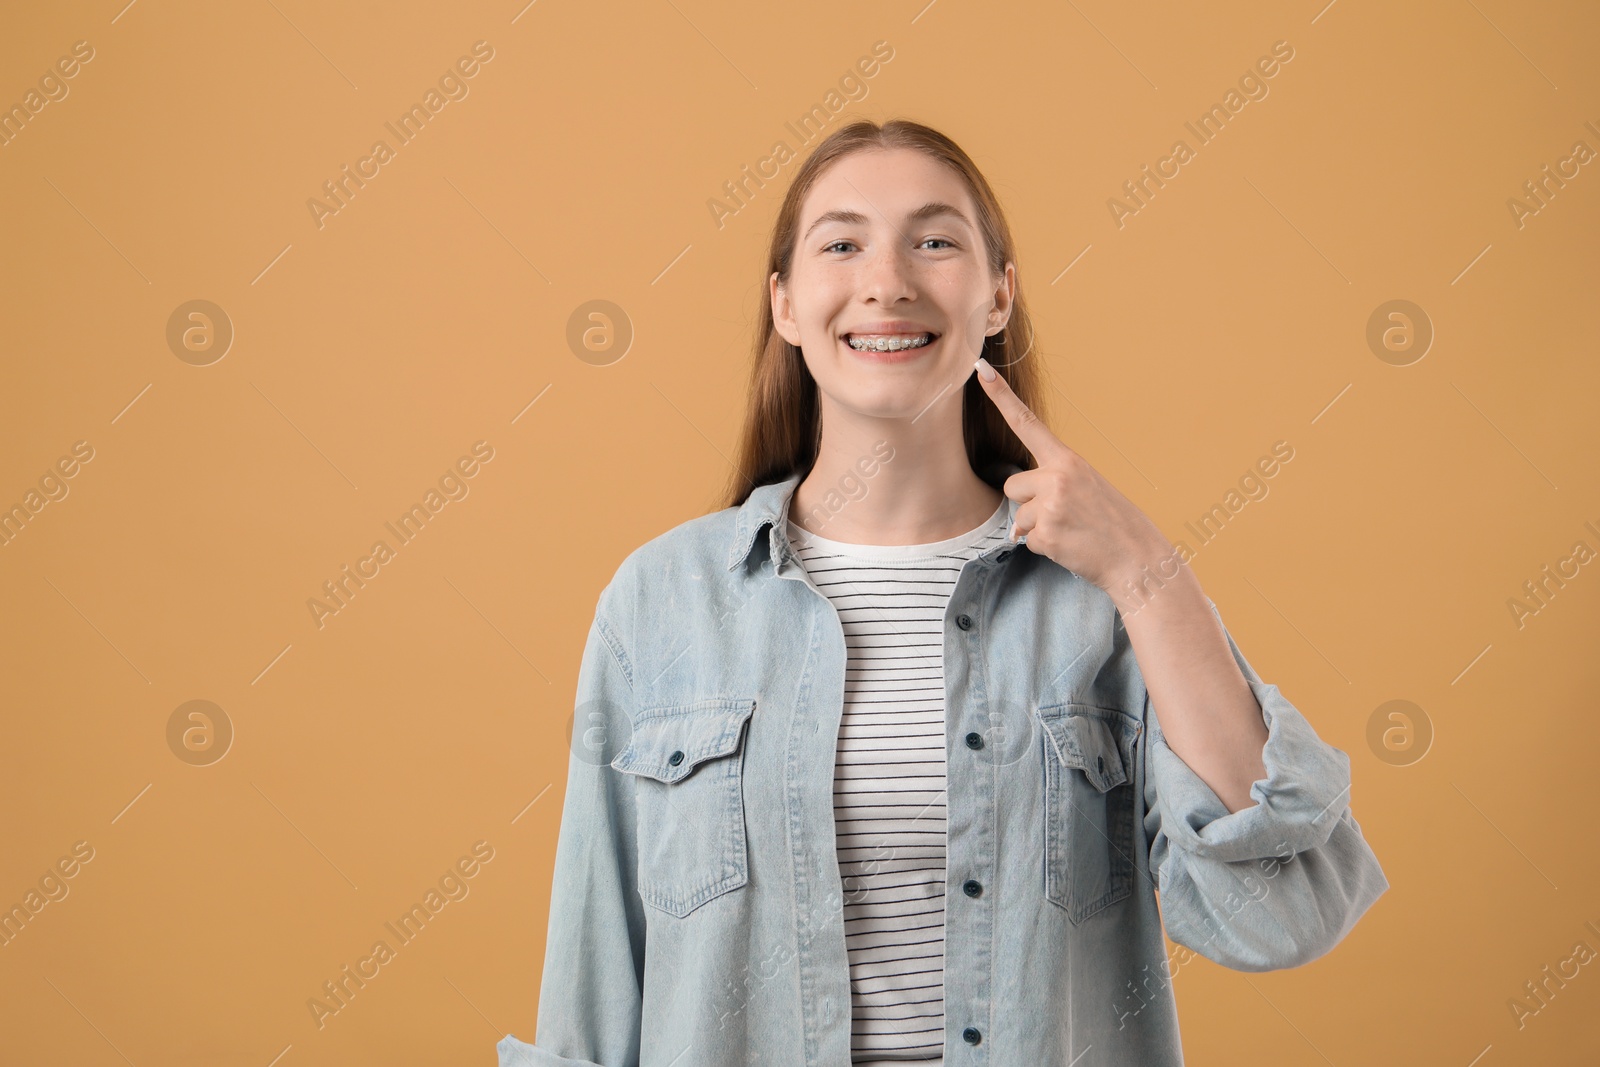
pixel 783 422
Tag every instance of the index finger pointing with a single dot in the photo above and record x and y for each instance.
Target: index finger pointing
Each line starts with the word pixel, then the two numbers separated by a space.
pixel 1029 427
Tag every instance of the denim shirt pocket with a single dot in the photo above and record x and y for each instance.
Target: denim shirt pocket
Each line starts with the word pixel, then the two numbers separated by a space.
pixel 1088 807
pixel 688 763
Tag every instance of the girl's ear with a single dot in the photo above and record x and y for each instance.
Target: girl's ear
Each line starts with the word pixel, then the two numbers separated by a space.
pixel 1005 295
pixel 782 312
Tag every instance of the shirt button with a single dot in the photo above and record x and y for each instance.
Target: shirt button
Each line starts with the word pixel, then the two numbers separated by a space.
pixel 971 1035
pixel 974 740
pixel 972 887
pixel 1002 555
pixel 675 759
pixel 964 621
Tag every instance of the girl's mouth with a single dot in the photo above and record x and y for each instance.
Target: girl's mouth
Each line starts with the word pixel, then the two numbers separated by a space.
pixel 889 344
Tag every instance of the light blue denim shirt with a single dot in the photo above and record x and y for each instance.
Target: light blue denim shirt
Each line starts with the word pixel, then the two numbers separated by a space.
pixel 696 916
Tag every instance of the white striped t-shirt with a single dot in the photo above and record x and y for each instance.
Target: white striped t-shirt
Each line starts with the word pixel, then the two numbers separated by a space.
pixel 889 779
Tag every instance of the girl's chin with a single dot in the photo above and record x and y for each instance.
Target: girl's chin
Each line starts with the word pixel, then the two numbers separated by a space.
pixel 875 395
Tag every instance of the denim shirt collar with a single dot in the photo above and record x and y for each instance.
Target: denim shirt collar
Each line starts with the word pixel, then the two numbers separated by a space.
pixel 767 505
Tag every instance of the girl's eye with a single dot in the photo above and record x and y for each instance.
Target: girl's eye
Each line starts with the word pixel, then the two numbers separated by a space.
pixel 941 240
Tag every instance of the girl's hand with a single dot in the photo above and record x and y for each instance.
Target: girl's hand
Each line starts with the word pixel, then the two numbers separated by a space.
pixel 1068 512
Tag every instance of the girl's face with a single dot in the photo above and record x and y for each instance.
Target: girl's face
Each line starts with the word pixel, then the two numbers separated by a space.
pixel 889 254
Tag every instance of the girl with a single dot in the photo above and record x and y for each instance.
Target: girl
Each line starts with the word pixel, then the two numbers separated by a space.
pixel 867 766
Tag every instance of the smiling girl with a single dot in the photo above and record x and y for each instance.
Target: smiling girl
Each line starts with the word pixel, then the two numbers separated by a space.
pixel 898 747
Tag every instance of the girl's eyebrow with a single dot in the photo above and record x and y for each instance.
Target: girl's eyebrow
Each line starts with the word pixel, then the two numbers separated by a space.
pixel 931 209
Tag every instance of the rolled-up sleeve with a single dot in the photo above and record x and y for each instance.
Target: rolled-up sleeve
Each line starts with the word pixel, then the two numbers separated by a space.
pixel 1273 885
pixel 591 991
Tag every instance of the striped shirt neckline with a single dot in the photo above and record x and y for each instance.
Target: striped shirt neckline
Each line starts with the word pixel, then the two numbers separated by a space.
pixel 801 537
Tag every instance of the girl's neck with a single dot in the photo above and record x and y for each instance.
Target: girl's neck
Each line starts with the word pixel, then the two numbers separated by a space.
pixel 905 500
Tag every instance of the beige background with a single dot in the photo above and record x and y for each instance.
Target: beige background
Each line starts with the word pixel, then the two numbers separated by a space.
pixel 431 312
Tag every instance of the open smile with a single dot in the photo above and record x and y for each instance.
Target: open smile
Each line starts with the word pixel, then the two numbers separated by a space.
pixel 889 347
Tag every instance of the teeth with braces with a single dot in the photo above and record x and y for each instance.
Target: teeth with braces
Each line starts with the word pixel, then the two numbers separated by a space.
pixel 890 344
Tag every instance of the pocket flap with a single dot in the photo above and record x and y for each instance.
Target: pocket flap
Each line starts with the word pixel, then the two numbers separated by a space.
pixel 1087 737
pixel 669 743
